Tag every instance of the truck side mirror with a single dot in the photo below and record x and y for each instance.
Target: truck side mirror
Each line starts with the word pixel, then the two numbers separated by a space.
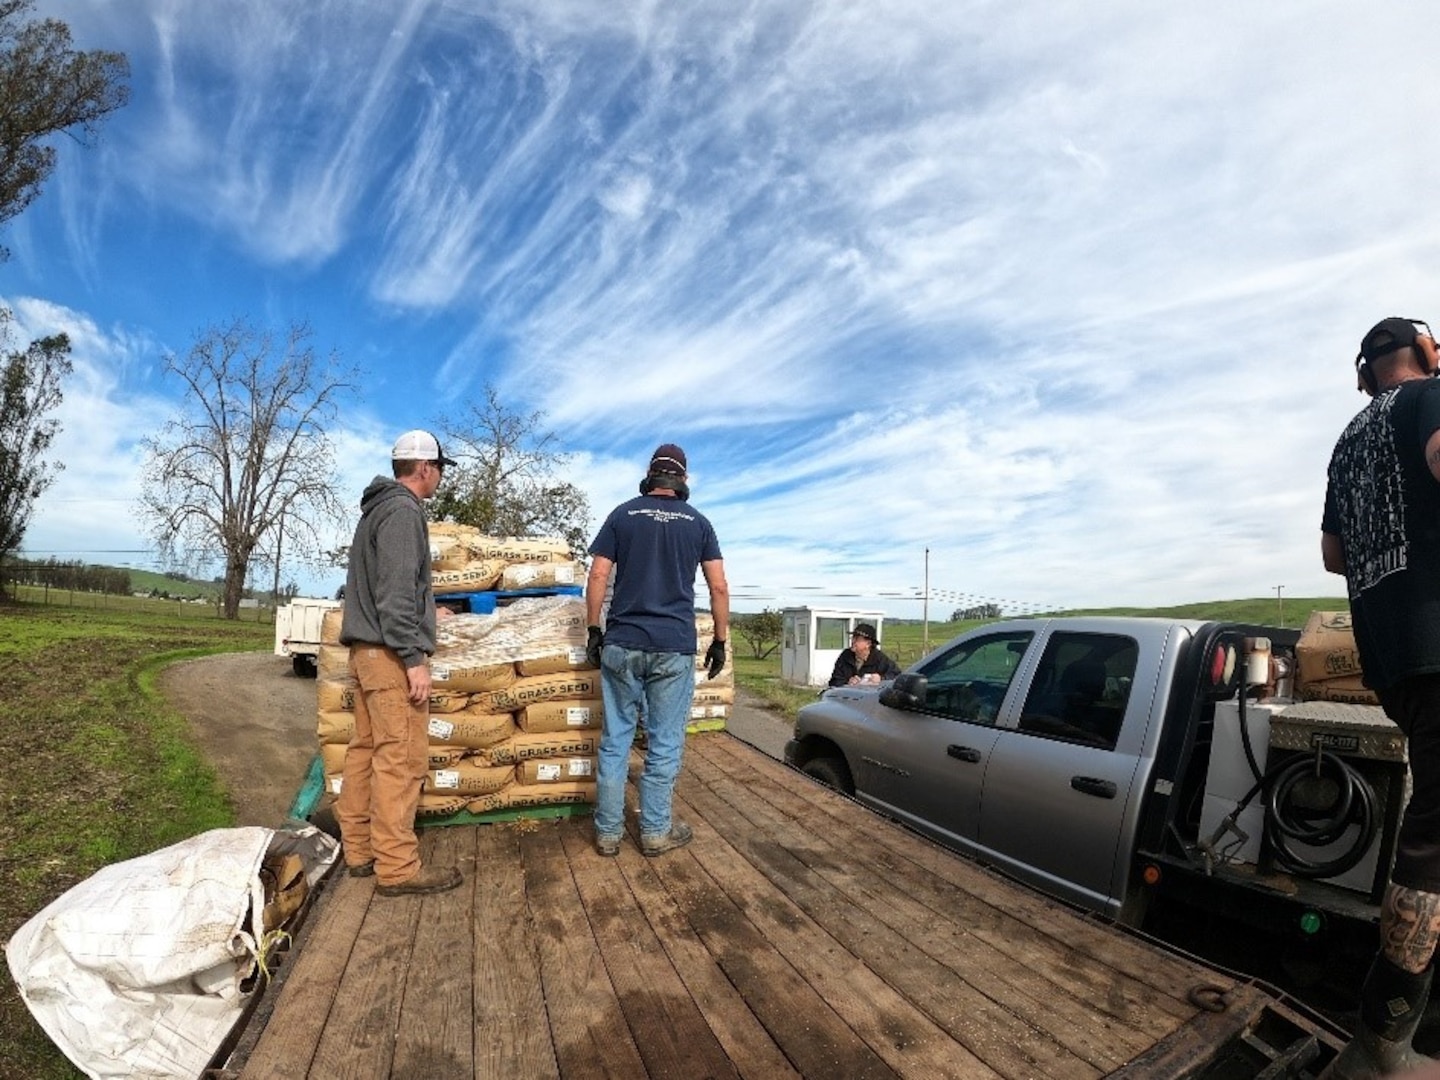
pixel 906 693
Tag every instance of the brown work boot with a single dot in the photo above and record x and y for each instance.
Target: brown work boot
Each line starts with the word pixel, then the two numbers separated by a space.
pixel 430 879
pixel 678 836
pixel 364 869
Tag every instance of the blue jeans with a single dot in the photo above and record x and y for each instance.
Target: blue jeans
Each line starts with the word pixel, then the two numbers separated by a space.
pixel 658 688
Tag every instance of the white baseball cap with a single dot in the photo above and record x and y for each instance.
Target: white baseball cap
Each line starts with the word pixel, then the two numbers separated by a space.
pixel 419 446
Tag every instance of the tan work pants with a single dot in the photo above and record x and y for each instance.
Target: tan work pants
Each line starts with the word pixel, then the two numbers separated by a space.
pixel 385 766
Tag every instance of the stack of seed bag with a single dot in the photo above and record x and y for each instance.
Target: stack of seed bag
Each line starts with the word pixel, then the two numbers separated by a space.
pixel 514 708
pixel 713 697
pixel 1328 663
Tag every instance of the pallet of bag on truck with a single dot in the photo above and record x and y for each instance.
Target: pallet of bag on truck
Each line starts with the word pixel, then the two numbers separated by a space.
pixel 510 688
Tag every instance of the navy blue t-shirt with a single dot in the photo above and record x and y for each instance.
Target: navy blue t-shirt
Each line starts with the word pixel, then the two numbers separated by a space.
pixel 657 544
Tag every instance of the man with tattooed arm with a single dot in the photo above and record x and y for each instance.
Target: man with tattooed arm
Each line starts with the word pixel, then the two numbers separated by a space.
pixel 1381 530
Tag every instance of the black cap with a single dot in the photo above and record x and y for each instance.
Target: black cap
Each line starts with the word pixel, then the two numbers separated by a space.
pixel 668 459
pixel 1387 336
pixel 864 629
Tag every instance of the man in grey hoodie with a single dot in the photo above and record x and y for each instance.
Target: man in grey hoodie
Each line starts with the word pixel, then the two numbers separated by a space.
pixel 389 624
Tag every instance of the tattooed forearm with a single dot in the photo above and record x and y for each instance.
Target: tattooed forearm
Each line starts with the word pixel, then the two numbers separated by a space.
pixel 1409 927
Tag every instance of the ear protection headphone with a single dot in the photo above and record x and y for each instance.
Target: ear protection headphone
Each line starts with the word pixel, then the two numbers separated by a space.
pixel 1368 379
pixel 669 482
pixel 1367 376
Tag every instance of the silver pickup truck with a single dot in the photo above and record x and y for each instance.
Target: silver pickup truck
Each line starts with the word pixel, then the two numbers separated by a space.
pixel 1114 762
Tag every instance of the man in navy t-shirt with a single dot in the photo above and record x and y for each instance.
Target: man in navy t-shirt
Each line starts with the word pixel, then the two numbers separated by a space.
pixel 646 653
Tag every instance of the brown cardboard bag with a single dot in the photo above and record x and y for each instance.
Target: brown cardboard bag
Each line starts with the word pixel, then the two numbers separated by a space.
pixel 336 695
pixel 1348 689
pixel 458 676
pixel 519 796
pixel 468 777
pixel 473 731
pixel 557 770
pixel 566 657
pixel 335 726
pixel 542 745
pixel 534 689
pixel 479 576
pixel 562 715
pixel 1326 649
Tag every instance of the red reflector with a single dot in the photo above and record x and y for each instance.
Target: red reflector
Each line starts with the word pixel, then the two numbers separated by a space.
pixel 1217 666
pixel 1150 875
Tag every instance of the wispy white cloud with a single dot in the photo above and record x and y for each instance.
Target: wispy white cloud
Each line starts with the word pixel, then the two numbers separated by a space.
pixel 1065 296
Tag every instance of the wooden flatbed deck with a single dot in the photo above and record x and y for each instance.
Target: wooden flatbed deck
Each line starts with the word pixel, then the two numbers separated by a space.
pixel 798 935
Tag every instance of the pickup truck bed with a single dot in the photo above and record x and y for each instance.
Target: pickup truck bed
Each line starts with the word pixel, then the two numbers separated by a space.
pixel 799 935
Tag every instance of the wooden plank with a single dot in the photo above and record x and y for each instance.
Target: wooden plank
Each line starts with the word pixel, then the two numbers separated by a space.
pixel 814 1037
pixel 907 1040
pixel 1077 1020
pixel 435 1032
pixel 286 1048
pixel 995 899
pixel 750 1048
pixel 669 1030
pixel 1011 1045
pixel 591 1036
pixel 512 1031
pixel 358 1040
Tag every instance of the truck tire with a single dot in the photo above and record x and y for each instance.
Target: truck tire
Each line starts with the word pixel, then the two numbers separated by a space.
pixel 830 771
pixel 304 666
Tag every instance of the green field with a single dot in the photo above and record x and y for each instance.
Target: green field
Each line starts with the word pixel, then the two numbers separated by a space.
pixel 97 768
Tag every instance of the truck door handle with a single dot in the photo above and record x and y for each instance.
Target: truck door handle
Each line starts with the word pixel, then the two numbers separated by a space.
pixel 1088 785
pixel 964 753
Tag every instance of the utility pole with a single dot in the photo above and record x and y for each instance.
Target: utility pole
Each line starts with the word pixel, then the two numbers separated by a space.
pixel 925 609
pixel 1280 601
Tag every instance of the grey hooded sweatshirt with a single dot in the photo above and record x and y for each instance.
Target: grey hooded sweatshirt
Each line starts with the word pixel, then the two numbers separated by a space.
pixel 388 600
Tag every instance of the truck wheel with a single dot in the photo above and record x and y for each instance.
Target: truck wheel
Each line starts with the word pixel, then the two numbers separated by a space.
pixel 304 666
pixel 830 771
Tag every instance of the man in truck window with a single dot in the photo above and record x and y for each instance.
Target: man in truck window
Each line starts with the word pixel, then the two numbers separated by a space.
pixel 863 662
pixel 1381 529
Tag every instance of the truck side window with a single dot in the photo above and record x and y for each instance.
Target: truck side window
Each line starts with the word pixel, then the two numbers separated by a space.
pixel 969 681
pixel 1081 688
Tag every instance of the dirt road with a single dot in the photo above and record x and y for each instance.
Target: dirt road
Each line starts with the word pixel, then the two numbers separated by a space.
pixel 255 720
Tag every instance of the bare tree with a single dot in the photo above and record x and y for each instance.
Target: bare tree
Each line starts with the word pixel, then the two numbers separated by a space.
pixel 505 484
pixel 46 87
pixel 29 389
pixel 248 463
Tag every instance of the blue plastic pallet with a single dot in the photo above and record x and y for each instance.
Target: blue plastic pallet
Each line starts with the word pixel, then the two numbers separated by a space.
pixel 485 603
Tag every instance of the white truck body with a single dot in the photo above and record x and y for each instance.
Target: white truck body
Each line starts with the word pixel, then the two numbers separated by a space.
pixel 297 632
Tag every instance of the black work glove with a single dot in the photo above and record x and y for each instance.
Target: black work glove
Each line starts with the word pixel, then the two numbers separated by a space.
pixel 595 639
pixel 714 658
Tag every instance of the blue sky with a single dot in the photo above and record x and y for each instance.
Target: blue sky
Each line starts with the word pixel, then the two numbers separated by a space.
pixel 1067 295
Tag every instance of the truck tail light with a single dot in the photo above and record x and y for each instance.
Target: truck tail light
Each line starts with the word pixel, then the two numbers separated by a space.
pixel 1221 669
pixel 1150 875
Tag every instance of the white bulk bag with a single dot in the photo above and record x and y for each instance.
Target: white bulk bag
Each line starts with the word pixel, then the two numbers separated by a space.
pixel 136 971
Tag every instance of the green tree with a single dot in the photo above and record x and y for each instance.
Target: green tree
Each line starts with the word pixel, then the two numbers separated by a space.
pixel 760 631
pixel 30 381
pixel 248 462
pixel 47 87
pixel 506 484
